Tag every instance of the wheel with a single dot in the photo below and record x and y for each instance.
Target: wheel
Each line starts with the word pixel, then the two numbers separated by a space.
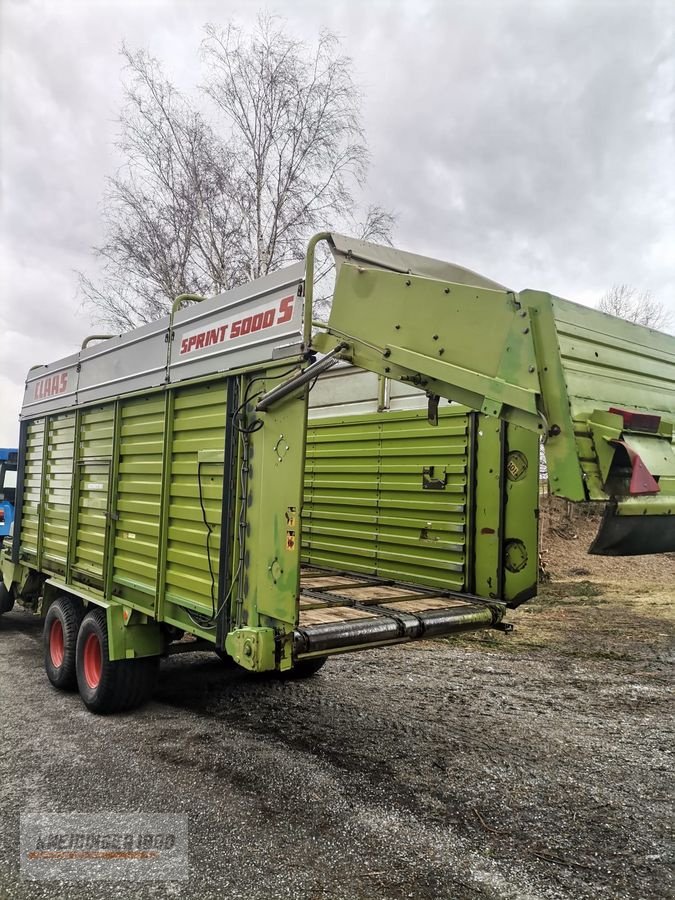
pixel 305 668
pixel 59 638
pixel 6 599
pixel 105 686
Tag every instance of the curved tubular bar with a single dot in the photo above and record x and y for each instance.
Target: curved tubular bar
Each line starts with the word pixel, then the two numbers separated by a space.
pixel 185 298
pixel 95 337
pixel 309 285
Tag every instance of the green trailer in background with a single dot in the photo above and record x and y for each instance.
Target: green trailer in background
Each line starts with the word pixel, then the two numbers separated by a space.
pixel 162 473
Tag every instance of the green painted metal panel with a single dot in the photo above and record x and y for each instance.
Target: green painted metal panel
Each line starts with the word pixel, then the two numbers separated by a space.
pixel 57 490
pixel 488 571
pixel 589 361
pixel 271 570
pixel 195 496
pixel 607 362
pixel 137 500
pixel 366 507
pixel 521 515
pixel 95 447
pixel 544 363
pixel 434 335
pixel 32 489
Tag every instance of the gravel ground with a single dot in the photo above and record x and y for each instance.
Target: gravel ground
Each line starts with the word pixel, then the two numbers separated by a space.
pixel 532 765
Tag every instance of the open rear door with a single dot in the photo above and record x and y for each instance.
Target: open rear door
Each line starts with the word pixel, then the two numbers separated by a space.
pixel 608 395
pixel 599 390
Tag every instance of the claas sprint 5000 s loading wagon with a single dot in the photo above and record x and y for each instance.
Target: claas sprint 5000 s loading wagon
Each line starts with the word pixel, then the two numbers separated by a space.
pixel 161 472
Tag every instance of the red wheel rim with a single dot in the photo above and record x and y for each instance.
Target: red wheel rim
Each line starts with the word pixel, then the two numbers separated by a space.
pixel 56 648
pixel 93 661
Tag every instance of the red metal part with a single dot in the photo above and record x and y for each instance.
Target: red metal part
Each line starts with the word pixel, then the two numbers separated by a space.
pixel 93 661
pixel 56 643
pixel 641 480
pixel 636 421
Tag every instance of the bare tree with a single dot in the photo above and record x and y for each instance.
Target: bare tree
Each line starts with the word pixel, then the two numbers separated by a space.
pixel 627 302
pixel 228 185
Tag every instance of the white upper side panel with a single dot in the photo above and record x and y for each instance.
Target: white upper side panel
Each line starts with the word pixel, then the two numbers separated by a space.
pixel 253 323
pixel 239 328
pixel 348 391
pixel 51 388
pixel 134 361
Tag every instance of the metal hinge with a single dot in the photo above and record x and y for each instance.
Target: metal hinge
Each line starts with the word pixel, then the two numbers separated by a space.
pixel 432 483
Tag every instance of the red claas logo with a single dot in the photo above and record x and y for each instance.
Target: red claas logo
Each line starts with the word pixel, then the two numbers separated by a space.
pixel 49 387
pixel 230 329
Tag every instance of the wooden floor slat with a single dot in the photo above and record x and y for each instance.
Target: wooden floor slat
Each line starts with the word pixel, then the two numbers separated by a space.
pixel 332 614
pixel 336 583
pixel 424 604
pixel 379 593
pixel 333 597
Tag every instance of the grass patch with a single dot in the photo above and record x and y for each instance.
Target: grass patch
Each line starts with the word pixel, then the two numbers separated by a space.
pixel 491 640
pixel 558 591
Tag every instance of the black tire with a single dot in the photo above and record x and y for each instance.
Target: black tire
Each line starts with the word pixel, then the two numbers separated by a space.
pixel 6 599
pixel 105 686
pixel 59 638
pixel 305 668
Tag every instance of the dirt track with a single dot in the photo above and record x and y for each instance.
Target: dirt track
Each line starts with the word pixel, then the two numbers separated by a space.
pixel 532 765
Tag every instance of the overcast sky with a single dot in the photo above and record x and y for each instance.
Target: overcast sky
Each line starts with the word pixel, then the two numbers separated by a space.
pixel 531 141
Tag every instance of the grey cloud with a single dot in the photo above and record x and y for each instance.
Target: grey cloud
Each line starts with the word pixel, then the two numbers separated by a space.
pixel 544 138
pixel 534 142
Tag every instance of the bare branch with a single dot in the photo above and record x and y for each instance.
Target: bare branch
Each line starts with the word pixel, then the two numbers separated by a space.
pixel 627 302
pixel 203 204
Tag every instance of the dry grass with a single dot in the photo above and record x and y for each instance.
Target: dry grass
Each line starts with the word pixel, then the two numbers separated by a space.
pixel 594 606
pixel 564 548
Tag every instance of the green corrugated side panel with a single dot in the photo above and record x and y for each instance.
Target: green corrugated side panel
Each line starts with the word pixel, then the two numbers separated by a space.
pixel 57 490
pixel 340 511
pixel 365 507
pixel 607 362
pixel 32 489
pixel 138 493
pixel 590 361
pixel 93 473
pixel 198 427
pixel 431 522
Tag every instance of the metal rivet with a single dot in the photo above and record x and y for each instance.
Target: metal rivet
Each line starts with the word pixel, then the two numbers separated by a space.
pixel 435 337
pixel 530 369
